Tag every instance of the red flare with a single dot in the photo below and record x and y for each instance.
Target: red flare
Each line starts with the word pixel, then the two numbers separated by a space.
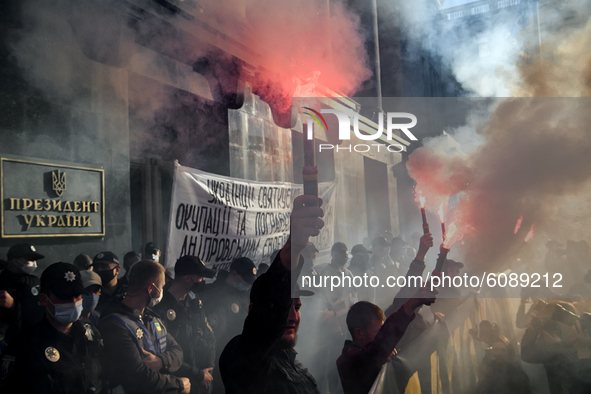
pixel 452 235
pixel 518 225
pixel 421 201
pixel 440 213
pixel 530 234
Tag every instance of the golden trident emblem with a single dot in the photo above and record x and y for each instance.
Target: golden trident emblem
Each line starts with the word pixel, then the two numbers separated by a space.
pixel 59 182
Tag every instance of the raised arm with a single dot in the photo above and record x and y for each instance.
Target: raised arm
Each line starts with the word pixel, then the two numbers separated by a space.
pixel 271 298
pixel 416 268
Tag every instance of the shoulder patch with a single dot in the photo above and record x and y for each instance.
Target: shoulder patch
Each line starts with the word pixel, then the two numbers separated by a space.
pixel 88 332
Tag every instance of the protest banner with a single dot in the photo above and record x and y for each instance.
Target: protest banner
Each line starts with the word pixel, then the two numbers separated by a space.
pixel 218 218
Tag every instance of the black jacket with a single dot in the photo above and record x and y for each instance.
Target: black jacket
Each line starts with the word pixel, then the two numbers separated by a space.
pixel 122 358
pixel 26 312
pixel 105 299
pixel 253 362
pixel 226 309
pixel 186 322
pixel 45 361
pixel 360 366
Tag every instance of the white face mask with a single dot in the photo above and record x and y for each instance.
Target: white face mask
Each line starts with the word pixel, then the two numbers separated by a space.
pixel 67 313
pixel 155 301
pixel 29 267
pixel 155 257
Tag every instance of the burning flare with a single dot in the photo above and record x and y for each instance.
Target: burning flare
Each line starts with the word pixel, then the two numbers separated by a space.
pixel 452 235
pixel 442 220
pixel 421 200
pixel 518 225
pixel 530 234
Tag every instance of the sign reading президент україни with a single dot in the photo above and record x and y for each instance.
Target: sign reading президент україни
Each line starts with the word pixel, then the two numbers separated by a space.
pixel 44 199
pixel 219 218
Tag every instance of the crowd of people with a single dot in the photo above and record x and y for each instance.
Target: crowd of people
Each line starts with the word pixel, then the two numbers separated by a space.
pixel 87 327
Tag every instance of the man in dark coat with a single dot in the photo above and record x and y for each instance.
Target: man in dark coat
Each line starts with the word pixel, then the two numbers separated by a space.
pixel 59 355
pixel 19 292
pixel 140 354
pixel 262 359
pixel 182 311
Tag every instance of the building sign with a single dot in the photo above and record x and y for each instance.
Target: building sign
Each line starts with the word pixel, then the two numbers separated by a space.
pixel 42 199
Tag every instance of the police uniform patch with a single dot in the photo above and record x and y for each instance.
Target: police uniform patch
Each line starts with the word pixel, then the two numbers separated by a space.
pixel 235 308
pixel 6 367
pixel 34 291
pixel 52 354
pixel 139 333
pixel 171 314
pixel 88 332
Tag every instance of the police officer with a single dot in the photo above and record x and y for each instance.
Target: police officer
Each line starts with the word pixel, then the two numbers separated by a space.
pixel 83 262
pixel 19 292
pixel 57 355
pixel 226 307
pixel 93 285
pixel 152 252
pixel 106 265
pixel 140 354
pixel 129 260
pixel 183 314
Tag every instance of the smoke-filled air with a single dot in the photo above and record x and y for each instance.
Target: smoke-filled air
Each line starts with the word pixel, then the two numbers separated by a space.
pixel 527 158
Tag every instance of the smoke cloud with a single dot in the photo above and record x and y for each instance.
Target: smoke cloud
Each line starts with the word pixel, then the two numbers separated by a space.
pixel 524 157
pixel 535 49
pixel 287 43
pixel 533 162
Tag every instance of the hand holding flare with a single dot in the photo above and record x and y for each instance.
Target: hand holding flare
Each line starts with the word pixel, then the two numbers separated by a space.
pixel 423 213
pixel 442 220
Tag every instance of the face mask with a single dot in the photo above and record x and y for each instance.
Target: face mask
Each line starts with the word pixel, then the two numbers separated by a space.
pixel 89 302
pixel 29 268
pixel 67 313
pixel 155 257
pixel 106 276
pixel 242 286
pixel 155 301
pixel 198 287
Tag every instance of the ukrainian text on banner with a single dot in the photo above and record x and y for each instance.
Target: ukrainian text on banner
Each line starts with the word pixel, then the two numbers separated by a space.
pixel 219 218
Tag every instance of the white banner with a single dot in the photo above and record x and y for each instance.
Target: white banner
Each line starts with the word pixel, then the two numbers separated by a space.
pixel 219 218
